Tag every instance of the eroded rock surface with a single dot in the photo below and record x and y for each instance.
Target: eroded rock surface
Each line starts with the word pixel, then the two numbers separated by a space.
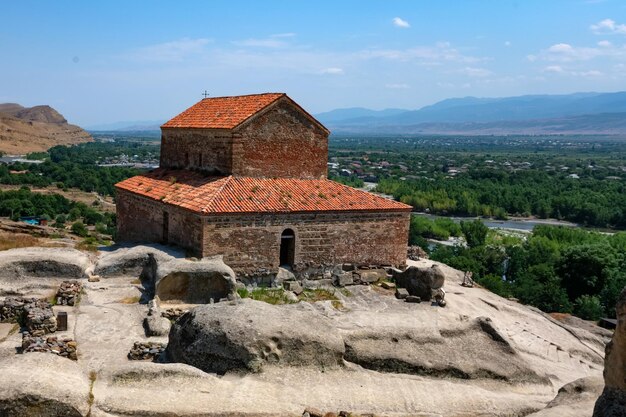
pixel 612 402
pixel 420 281
pixel 22 263
pixel 195 282
pixel 246 335
pixel 131 261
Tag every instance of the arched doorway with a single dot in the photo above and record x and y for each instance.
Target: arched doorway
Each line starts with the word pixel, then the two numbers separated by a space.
pixel 287 248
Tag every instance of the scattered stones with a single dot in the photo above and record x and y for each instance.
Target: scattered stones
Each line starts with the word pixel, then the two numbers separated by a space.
pixel 173 314
pixel 312 412
pixel 145 351
pixel 412 299
pixel 293 286
pixel 39 318
pixel 401 293
pixel 284 275
pixel 12 308
pixel 344 278
pixel 63 347
pixel 68 293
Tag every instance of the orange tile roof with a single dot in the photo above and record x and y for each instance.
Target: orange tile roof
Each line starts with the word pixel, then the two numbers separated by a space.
pixel 222 112
pixel 214 195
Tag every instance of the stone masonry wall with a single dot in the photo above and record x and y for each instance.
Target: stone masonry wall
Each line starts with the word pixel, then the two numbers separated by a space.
pixel 252 242
pixel 206 149
pixel 140 219
pixel 281 142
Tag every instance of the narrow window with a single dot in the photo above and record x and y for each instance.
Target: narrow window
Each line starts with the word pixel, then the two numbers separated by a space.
pixel 186 159
pixel 287 248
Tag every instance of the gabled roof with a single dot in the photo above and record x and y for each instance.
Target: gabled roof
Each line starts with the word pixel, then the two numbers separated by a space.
pixel 226 112
pixel 216 195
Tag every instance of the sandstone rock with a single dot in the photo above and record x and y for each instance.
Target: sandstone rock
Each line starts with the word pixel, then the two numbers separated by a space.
pixel 344 278
pixel 370 276
pixel 284 275
pixel 43 386
pixel 412 299
pixel 475 351
pixel 388 285
pixel 421 282
pixel 156 325
pixel 293 286
pixel 248 335
pixel 401 293
pixel 292 297
pixel 131 261
pixel 612 402
pixel 17 264
pixel 313 412
pixel 195 282
pixel 573 399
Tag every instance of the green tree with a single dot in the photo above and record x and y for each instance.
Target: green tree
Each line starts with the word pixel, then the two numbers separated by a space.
pixel 79 229
pixel 588 307
pixel 475 232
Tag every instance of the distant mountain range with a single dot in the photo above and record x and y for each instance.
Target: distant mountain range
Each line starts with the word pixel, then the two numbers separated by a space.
pixel 34 129
pixel 584 113
pixel 579 113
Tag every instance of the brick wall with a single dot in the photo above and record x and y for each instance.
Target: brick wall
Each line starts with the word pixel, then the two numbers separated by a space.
pixel 140 219
pixel 206 149
pixel 252 242
pixel 281 142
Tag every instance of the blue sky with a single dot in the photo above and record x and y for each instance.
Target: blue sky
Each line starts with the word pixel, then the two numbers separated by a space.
pixel 107 61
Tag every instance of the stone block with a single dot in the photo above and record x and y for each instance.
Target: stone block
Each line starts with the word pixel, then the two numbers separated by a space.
pixel 388 285
pixel 293 286
pixel 401 293
pixel 412 299
pixel 346 278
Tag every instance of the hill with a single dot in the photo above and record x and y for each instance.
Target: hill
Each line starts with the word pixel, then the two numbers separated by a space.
pixel 580 113
pixel 35 129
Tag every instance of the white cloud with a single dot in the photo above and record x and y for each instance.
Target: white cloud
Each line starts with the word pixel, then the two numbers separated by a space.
pixel 333 71
pixel 475 72
pixel 278 40
pixel 400 86
pixel 608 26
pixel 440 53
pixel 401 23
pixel 553 68
pixel 561 48
pixel 171 51
pixel 605 44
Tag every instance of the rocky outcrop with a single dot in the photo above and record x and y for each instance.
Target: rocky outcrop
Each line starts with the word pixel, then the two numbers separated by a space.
pixel 16 264
pixel 612 402
pixel 477 350
pixel 420 282
pixel 247 334
pixel 131 261
pixel 43 386
pixel 195 282
pixel 36 129
pixel 574 399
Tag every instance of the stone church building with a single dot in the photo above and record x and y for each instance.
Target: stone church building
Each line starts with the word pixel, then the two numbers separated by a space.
pixel 245 177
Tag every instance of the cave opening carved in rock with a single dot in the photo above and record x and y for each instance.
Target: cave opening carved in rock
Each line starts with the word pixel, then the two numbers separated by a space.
pixel 193 287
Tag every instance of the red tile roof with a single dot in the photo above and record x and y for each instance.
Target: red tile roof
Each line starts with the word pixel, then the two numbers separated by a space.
pixel 223 112
pixel 213 195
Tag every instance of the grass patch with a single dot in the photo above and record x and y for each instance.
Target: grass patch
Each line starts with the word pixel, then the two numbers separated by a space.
pixel 136 281
pixel 17 240
pixel 318 294
pixel 92 380
pixel 130 300
pixel 268 295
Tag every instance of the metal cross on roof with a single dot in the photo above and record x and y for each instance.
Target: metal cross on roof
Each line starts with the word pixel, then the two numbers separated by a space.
pixel 205 94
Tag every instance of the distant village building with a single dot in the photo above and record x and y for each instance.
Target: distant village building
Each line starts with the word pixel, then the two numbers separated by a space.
pixel 245 177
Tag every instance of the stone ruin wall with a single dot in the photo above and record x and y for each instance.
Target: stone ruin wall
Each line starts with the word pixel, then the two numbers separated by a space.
pixel 209 150
pixel 251 243
pixel 281 143
pixel 140 219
